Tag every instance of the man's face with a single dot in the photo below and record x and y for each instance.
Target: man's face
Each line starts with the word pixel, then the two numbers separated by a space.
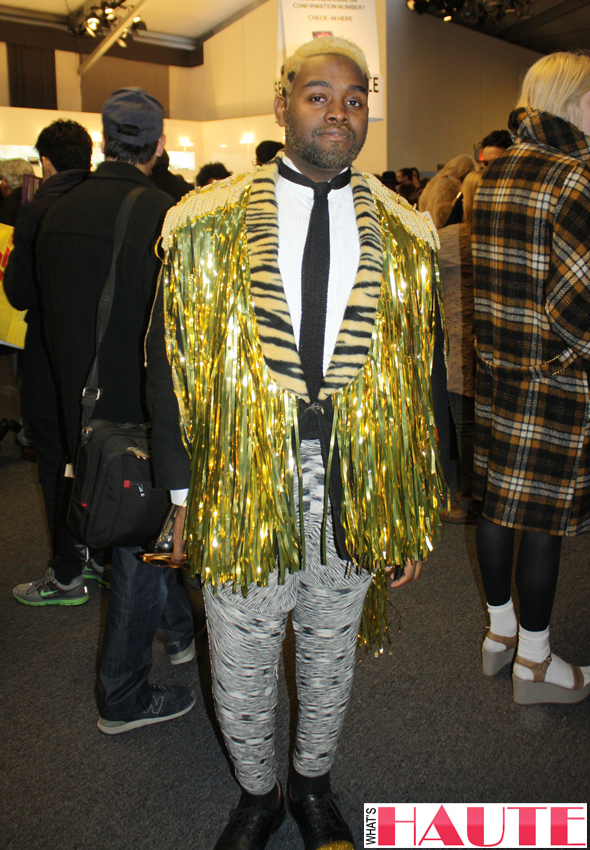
pixel 490 153
pixel 326 117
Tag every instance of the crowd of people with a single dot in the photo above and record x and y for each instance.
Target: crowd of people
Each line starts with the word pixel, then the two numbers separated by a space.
pixel 298 421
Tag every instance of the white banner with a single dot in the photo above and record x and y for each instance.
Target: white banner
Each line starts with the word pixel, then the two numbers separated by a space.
pixel 302 20
pixel 512 825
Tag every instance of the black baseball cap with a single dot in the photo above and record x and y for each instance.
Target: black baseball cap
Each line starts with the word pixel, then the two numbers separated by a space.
pixel 133 116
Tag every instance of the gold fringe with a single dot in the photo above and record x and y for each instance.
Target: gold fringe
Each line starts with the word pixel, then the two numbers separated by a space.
pixel 238 424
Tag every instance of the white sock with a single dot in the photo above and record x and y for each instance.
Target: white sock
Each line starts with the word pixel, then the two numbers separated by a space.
pixel 534 646
pixel 502 623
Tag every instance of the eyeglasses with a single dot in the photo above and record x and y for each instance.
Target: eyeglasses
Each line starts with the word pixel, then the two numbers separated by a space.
pixel 163 559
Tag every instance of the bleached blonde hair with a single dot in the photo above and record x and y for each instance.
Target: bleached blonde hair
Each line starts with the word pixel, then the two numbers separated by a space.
pixel 556 83
pixel 324 46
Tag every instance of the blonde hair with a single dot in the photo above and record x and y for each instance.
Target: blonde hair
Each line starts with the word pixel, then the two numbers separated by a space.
pixel 470 185
pixel 439 197
pixel 458 167
pixel 556 83
pixel 323 46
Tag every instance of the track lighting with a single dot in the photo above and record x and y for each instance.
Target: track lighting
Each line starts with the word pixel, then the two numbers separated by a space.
pixel 100 19
pixel 476 13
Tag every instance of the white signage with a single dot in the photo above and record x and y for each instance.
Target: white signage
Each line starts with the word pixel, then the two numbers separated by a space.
pixel 302 20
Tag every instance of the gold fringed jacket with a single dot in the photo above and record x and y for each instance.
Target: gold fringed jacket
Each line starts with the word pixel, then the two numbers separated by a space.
pixel 237 377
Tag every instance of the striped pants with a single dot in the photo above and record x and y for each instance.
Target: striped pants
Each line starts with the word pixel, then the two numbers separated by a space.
pixel 246 637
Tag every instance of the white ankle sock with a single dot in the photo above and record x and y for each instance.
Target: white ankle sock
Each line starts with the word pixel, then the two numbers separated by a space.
pixel 534 646
pixel 502 623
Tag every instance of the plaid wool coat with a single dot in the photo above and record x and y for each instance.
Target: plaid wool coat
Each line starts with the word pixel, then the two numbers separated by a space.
pixel 531 253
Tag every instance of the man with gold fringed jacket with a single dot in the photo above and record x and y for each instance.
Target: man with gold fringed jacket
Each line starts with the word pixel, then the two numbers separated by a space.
pixel 289 361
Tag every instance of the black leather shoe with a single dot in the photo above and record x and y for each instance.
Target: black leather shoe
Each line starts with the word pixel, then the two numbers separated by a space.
pixel 321 823
pixel 250 827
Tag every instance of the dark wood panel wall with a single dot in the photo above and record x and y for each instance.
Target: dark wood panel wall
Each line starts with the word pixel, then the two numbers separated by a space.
pixel 31 77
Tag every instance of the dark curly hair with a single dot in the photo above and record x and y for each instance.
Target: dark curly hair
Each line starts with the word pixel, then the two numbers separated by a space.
pixel 66 144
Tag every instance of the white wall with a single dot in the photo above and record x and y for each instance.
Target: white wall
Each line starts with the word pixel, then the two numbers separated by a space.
pixel 240 66
pixel 448 87
pixel 67 81
pixel 186 92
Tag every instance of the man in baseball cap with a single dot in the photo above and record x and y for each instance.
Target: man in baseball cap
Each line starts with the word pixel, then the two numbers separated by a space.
pixel 74 251
pixel 133 117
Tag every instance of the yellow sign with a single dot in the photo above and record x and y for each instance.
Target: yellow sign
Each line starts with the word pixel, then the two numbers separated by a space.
pixel 13 327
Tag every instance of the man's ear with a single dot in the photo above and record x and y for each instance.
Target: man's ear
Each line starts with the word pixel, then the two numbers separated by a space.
pixel 161 145
pixel 280 107
pixel 48 168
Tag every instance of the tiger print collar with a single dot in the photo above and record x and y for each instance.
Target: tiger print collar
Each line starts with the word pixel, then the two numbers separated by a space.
pixel 273 318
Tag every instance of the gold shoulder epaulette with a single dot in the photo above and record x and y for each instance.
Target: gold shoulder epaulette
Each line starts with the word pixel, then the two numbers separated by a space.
pixel 409 216
pixel 203 200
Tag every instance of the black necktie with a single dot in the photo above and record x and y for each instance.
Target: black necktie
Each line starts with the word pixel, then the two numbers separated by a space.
pixel 315 271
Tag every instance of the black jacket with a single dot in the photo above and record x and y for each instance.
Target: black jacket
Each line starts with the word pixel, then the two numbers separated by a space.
pixel 174 184
pixel 74 250
pixel 38 393
pixel 11 206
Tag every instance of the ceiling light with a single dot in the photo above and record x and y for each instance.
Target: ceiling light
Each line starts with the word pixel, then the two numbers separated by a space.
pixel 102 17
pixel 419 6
pixel 476 13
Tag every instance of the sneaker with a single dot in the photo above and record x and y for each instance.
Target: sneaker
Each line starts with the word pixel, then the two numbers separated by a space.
pixel 91 571
pixel 178 655
pixel 49 591
pixel 166 704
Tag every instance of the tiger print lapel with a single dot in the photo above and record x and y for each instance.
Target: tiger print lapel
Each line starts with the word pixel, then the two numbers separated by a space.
pixel 268 295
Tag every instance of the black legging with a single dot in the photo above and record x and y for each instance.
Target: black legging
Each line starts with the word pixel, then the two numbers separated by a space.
pixel 537 568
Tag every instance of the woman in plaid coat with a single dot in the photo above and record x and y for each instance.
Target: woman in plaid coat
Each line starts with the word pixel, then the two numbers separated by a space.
pixel 531 252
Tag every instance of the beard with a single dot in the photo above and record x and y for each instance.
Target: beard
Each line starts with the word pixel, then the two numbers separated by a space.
pixel 312 153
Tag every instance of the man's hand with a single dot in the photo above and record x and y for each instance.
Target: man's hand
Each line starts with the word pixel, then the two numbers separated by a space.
pixel 411 572
pixel 178 536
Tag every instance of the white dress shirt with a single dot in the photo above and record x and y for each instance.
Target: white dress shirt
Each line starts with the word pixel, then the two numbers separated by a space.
pixel 295 203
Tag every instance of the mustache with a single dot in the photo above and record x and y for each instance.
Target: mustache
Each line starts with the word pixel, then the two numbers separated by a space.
pixel 341 127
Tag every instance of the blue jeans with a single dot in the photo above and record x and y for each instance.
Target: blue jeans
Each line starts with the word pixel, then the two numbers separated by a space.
pixel 141 598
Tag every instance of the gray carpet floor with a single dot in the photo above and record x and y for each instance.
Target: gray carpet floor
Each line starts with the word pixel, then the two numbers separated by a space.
pixel 424 724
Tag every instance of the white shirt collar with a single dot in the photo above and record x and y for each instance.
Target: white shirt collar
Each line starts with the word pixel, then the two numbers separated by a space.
pixel 293 167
